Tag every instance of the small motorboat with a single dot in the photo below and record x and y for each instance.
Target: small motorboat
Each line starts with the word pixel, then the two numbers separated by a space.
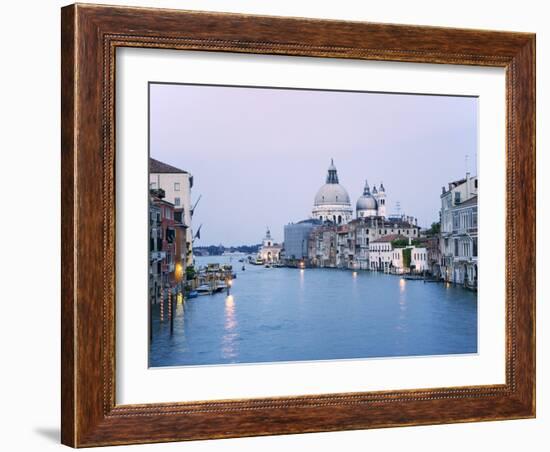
pixel 193 294
pixel 204 289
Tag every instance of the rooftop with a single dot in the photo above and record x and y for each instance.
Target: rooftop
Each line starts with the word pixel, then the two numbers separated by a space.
pixel 156 166
pixel 390 238
pixel 470 202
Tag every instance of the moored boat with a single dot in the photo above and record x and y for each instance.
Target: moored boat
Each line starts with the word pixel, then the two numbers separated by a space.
pixel 204 289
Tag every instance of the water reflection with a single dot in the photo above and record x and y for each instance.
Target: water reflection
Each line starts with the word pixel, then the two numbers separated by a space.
pixel 401 325
pixel 230 337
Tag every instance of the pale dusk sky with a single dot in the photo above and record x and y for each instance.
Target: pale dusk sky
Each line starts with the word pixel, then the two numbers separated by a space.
pixel 259 155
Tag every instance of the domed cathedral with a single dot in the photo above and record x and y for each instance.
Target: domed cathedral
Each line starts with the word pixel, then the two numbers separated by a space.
pixel 332 201
pixel 371 204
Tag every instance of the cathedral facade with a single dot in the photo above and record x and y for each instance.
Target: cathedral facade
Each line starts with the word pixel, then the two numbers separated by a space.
pixel 332 202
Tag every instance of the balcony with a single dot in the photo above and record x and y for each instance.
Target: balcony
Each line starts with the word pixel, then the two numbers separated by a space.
pixel 157 255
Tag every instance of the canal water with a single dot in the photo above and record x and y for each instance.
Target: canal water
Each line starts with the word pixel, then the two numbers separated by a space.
pixel 285 314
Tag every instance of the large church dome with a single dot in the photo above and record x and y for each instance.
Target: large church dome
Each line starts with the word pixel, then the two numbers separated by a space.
pixel 331 194
pixel 332 202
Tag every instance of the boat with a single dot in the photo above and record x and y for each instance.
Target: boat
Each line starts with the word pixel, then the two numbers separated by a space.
pixel 204 289
pixel 193 294
pixel 221 286
pixel 267 265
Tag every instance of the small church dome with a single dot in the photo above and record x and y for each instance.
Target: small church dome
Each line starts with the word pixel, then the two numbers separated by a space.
pixel 367 200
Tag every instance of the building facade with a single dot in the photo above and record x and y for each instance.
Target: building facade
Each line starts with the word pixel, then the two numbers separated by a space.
pixel 459 232
pixel 177 185
pixel 270 252
pixel 348 246
pixel 167 247
pixel 296 236
pixel 381 253
pixel 322 247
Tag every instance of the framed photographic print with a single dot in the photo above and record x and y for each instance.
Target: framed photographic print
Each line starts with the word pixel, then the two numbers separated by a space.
pixel 281 225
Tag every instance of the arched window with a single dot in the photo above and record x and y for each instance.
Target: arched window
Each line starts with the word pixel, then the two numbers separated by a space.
pixel 339 219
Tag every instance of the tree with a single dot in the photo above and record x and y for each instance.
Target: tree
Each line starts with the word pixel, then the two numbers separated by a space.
pixel 406 258
pixel 400 243
pixel 435 228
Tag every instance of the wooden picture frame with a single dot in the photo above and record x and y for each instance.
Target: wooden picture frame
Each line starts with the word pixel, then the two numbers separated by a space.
pixel 90 36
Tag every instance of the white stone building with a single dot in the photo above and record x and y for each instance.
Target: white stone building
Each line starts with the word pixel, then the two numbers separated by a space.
pixel 270 251
pixel 383 256
pixel 419 260
pixel 177 185
pixel 381 253
pixel 459 234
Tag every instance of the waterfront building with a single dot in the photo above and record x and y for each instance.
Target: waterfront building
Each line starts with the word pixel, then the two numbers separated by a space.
pixel 332 202
pixel 419 260
pixel 397 254
pixel 431 243
pixel 322 246
pixel 381 253
pixel 296 236
pixel 156 255
pixel 177 185
pixel 167 246
pixel 458 241
pixel 181 251
pixel 269 251
pixel 345 246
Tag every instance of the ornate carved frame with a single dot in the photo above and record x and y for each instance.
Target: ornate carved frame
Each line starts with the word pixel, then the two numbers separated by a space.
pixel 90 36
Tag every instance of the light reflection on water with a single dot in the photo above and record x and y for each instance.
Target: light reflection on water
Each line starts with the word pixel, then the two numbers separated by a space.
pixel 230 336
pixel 281 314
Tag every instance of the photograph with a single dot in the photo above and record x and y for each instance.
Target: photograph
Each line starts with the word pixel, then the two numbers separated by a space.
pixel 290 225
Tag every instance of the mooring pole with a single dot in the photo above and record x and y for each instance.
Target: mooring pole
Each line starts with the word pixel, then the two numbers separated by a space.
pixel 171 310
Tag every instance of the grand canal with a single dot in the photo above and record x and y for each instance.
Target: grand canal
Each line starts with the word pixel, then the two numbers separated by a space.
pixel 284 314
